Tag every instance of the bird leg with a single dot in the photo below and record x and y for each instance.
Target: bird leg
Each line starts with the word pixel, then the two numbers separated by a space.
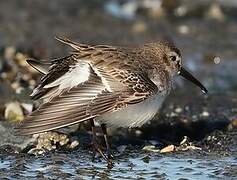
pixel 109 156
pixel 94 139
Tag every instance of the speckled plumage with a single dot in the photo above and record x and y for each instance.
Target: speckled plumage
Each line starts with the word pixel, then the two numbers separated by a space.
pixel 117 86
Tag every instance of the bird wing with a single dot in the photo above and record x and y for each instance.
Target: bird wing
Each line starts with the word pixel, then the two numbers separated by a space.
pixel 74 91
pixel 41 66
pixel 52 70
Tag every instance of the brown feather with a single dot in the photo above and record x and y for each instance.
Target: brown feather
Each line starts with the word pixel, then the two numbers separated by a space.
pixel 111 86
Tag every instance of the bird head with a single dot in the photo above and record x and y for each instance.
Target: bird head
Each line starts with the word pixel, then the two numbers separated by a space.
pixel 171 58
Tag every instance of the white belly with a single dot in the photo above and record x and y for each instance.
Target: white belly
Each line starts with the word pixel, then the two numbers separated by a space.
pixel 134 115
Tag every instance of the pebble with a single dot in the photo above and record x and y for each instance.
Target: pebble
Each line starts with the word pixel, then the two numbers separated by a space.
pixel 183 29
pixel 9 52
pixel 185 140
pixel 217 60
pixel 13 112
pixel 15 85
pixel 21 59
pixel 211 138
pixel 167 149
pixel 74 144
pixel 139 27
pixel 49 141
pixel 181 11
pixel 173 114
pixel 234 123
pixel 178 110
pixel 32 82
pixel 3 75
pixel 186 108
pixel 26 77
pixel 63 140
pixel 205 114
pixel 154 8
pixel 19 90
pixel 215 12
pixel 35 151
pixel 150 148
pixel 190 147
pixel 138 132
pixel 186 145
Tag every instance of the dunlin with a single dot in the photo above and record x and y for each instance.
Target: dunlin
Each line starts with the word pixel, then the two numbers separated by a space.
pixel 114 86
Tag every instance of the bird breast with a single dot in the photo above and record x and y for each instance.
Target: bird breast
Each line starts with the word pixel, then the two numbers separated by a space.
pixel 134 115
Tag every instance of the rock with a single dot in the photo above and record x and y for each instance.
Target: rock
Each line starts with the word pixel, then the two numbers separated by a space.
pixel 205 114
pixel 15 85
pixel 183 29
pixel 63 140
pixel 21 59
pixel 217 60
pixel 9 52
pixel 181 11
pixel 215 12
pixel 14 112
pixel 178 110
pixel 74 144
pixel 138 132
pixel 49 141
pixel 151 148
pixel 184 141
pixel 234 123
pixel 185 145
pixel 35 151
pixel 139 27
pixel 167 149
pixel 154 8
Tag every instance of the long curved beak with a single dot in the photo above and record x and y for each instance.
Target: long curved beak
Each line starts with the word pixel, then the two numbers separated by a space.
pixel 190 77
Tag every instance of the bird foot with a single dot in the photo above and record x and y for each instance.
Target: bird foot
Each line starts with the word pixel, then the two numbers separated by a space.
pixel 108 157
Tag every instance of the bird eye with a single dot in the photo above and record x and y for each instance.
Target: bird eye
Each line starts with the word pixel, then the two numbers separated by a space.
pixel 173 58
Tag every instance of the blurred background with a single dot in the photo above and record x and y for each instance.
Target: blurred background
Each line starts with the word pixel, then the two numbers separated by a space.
pixel 204 30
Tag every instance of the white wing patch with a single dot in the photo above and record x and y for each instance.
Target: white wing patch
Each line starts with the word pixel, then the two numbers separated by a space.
pixel 104 81
pixel 76 75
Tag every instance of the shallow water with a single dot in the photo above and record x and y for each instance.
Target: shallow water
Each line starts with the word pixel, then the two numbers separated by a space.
pixel 136 166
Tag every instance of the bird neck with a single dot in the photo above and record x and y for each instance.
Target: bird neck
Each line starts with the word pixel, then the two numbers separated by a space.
pixel 162 79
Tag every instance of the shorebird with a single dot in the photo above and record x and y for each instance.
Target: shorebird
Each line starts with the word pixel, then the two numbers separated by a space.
pixel 114 86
